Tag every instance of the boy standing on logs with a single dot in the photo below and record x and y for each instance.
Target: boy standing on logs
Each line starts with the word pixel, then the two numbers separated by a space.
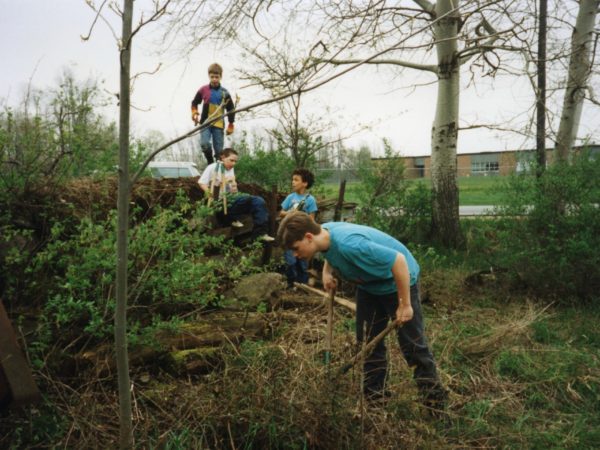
pixel 386 275
pixel 216 100
pixel 299 200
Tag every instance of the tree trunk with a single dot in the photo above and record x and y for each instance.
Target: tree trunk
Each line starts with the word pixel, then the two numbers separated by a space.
pixel 579 71
pixel 125 421
pixel 444 133
pixel 540 104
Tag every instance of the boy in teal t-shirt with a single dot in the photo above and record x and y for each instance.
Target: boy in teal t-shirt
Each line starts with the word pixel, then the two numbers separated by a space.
pixel 296 269
pixel 386 276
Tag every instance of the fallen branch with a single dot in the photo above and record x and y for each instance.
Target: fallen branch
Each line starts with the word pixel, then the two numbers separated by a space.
pixel 340 301
pixel 368 349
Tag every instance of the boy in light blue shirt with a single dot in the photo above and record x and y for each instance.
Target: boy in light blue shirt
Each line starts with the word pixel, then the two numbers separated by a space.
pixel 296 269
pixel 386 276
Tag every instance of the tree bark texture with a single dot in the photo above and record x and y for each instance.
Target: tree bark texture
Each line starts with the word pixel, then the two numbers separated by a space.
pixel 540 104
pixel 444 133
pixel 125 420
pixel 580 66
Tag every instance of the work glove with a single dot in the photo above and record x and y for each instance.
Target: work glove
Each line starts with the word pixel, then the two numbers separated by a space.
pixel 229 129
pixel 195 116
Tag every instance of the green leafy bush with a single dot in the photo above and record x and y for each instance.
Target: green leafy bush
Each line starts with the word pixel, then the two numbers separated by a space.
pixel 273 167
pixel 172 270
pixel 267 169
pixel 551 235
pixel 388 202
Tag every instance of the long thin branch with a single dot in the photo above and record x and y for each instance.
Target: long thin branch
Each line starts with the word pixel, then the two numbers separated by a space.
pixel 99 15
pixel 158 12
pixel 395 62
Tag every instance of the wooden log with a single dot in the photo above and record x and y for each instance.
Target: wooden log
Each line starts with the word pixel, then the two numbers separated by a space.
pixel 214 330
pixel 339 300
pixel 18 386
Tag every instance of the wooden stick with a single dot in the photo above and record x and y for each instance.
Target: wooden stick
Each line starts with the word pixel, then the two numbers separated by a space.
pixel 368 349
pixel 328 342
pixel 211 186
pixel 337 212
pixel 339 300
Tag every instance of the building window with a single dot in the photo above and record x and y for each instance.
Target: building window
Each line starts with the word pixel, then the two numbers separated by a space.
pixel 420 167
pixel 485 165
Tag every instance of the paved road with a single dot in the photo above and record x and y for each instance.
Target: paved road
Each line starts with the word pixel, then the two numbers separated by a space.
pixel 478 210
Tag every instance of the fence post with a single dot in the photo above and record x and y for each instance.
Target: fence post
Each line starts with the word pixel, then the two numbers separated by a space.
pixel 272 205
pixel 337 215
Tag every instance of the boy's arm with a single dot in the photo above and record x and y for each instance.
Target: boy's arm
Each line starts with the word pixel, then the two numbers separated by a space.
pixel 195 102
pixel 204 179
pixel 329 281
pixel 229 106
pixel 404 313
pixel 285 206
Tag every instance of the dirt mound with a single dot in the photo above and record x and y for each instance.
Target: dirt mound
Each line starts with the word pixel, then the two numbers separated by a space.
pixel 45 204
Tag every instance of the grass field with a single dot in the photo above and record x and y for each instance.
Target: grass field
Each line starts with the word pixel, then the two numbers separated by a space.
pixel 472 190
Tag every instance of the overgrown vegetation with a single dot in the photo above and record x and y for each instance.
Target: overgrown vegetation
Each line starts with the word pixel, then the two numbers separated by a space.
pixel 550 233
pixel 390 203
pixel 517 344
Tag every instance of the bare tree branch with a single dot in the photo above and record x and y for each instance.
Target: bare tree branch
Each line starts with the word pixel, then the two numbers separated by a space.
pixel 427 6
pixel 396 62
pixel 98 15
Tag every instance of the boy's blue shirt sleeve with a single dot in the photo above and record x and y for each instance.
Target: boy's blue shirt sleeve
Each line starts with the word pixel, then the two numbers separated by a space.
pixel 311 205
pixel 374 259
pixel 286 204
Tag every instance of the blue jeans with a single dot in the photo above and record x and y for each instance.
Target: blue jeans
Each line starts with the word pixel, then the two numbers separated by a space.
pixel 373 313
pixel 217 136
pixel 250 204
pixel 296 269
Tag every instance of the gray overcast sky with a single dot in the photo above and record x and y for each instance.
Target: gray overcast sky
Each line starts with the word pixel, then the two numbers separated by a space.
pixel 39 38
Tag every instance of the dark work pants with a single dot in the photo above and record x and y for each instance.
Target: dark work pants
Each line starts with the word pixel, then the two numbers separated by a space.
pixel 373 313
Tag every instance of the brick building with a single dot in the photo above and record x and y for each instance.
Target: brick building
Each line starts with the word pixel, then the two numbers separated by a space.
pixel 484 163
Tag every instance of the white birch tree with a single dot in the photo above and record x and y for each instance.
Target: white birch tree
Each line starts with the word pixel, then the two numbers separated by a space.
pixel 580 67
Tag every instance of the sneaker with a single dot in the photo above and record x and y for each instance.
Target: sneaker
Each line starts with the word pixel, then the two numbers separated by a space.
pixel 266 238
pixel 237 224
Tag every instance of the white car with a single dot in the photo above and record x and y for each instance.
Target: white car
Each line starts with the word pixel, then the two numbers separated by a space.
pixel 173 169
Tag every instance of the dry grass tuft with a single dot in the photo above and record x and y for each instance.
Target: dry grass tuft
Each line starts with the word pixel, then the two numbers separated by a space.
pixel 502 334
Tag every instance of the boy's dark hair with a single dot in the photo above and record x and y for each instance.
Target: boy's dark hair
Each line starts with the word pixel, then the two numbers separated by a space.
pixel 306 175
pixel 294 226
pixel 215 68
pixel 228 151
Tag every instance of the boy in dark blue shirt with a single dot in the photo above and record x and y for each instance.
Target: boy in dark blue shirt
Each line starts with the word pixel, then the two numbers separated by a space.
pixel 386 275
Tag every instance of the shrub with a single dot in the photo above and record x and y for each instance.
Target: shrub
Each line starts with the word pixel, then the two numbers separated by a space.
pixel 267 169
pixel 551 236
pixel 388 202
pixel 171 272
